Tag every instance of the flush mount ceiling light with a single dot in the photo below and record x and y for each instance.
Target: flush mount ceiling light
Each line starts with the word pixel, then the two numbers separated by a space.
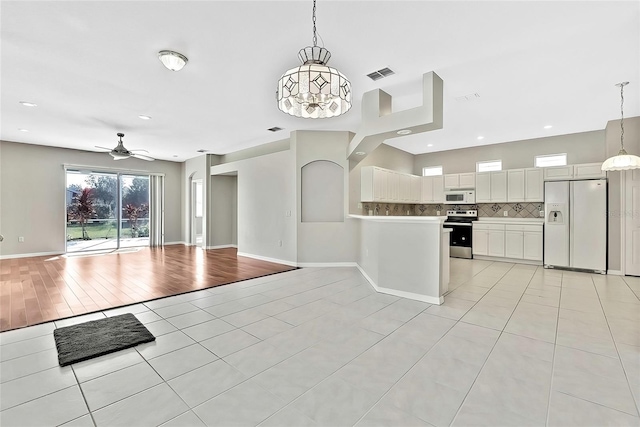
pixel 622 161
pixel 314 90
pixel 174 61
pixel 404 132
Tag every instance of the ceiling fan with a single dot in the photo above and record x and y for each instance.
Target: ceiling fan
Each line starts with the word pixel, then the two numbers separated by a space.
pixel 120 153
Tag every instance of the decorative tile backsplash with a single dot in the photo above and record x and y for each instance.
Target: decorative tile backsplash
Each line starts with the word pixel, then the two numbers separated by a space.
pixel 515 210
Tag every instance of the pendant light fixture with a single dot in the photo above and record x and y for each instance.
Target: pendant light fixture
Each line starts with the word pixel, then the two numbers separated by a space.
pixel 314 90
pixel 622 161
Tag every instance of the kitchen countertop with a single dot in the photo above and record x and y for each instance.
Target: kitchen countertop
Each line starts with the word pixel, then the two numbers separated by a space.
pixel 390 218
pixel 518 221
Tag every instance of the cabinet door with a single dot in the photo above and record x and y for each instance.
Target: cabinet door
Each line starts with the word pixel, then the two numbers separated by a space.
pixel 558 173
pixel 416 189
pixel 499 186
pixel 394 187
pixel 427 189
pixel 480 242
pixel 515 185
pixel 514 244
pixel 452 180
pixel 404 193
pixel 366 184
pixel 532 246
pixel 467 180
pixel 438 189
pixel 495 245
pixel 589 170
pixel 534 185
pixel 483 187
pixel 380 185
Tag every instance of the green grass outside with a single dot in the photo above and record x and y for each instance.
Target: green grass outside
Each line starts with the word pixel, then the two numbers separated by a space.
pixel 101 230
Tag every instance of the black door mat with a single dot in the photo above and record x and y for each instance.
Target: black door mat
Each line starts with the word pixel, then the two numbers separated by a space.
pixel 99 337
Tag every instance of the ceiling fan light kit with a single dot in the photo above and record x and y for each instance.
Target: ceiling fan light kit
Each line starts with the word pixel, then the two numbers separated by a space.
pixel 174 61
pixel 622 161
pixel 314 90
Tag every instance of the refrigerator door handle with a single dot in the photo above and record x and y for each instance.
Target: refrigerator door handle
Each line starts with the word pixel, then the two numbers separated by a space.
pixel 571 213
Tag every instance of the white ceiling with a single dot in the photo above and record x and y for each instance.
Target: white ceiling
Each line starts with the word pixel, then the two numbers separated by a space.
pixel 92 68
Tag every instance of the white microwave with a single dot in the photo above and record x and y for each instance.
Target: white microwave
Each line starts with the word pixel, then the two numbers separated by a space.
pixel 460 197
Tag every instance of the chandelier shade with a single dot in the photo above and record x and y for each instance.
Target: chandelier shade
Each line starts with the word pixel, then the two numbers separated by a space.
pixel 314 90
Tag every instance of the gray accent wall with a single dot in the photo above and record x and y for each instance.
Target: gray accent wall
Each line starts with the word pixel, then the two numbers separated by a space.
pixel 585 147
pixel 32 194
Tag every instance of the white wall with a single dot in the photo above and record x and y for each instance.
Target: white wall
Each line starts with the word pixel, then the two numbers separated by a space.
pixel 585 147
pixel 224 213
pixel 324 242
pixel 266 191
pixel 32 194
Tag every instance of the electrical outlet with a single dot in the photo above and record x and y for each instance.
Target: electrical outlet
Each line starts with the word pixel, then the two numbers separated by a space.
pixel 541 214
pixel 287 213
pixel 506 213
pixel 20 239
pixel 438 213
pixel 407 212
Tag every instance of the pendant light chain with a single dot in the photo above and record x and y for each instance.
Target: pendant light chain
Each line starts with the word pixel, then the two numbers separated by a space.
pixel 315 38
pixel 622 115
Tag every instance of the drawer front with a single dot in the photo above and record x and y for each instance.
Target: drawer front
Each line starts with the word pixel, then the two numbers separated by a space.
pixel 518 227
pixel 488 226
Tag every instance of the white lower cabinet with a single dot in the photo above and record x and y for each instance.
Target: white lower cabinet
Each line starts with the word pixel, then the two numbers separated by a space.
pixel 514 241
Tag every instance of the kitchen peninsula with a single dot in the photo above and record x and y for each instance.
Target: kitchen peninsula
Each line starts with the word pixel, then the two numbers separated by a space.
pixel 406 256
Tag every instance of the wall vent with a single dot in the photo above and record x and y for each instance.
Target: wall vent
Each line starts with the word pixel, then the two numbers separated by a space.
pixel 466 98
pixel 202 150
pixel 274 129
pixel 384 72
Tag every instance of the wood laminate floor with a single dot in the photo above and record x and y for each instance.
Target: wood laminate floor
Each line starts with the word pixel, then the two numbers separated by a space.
pixel 40 289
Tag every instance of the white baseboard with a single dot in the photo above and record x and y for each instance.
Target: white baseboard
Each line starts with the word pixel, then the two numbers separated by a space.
pixel 268 259
pixel 398 293
pixel 30 255
pixel 615 272
pixel 510 260
pixel 327 264
pixel 221 247
pixel 175 243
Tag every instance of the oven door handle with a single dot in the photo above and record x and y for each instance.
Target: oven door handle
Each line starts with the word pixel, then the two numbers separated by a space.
pixel 464 224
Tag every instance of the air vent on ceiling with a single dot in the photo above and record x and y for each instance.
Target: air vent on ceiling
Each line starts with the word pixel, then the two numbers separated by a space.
pixel 274 129
pixel 202 150
pixel 384 72
pixel 466 98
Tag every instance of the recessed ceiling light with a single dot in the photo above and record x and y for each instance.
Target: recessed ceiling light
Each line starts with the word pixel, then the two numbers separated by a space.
pixel 175 155
pixel 480 138
pixel 548 127
pixel 360 153
pixel 429 145
pixel 23 130
pixel 143 117
pixel 404 132
pixel 28 104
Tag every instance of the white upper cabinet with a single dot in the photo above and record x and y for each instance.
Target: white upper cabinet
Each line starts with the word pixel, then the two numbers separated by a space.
pixel 534 185
pixel 432 189
pixel 499 186
pixel 516 185
pixel 467 180
pixel 404 194
pixel 588 170
pixel 382 185
pixel 483 187
pixel 454 181
pixel 416 188
pixel 558 173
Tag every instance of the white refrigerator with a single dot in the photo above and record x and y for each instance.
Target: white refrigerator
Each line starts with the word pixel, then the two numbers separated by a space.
pixel 575 227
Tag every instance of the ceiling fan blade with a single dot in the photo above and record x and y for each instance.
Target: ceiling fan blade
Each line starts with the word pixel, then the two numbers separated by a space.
pixel 104 148
pixel 143 157
pixel 139 150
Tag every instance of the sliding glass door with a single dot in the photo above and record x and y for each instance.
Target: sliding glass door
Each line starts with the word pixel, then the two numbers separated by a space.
pixel 106 210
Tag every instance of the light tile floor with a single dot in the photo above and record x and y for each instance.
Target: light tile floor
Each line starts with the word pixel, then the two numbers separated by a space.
pixel 512 345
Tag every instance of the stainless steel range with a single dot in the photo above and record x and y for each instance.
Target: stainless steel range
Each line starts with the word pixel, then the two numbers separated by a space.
pixel 461 223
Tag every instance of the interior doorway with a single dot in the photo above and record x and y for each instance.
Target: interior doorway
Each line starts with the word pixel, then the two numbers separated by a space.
pixel 106 210
pixel 197 212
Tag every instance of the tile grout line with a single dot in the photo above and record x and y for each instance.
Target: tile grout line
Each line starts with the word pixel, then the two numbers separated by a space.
pixel 83 397
pixel 553 357
pixel 615 344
